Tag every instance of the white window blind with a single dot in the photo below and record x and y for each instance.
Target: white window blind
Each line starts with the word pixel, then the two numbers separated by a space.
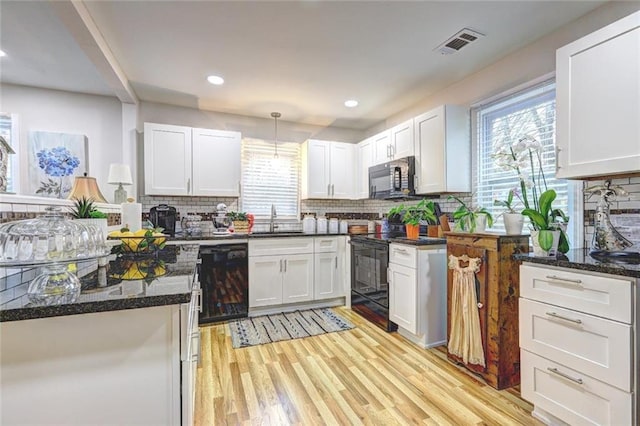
pixel 7 132
pixel 528 112
pixel 267 180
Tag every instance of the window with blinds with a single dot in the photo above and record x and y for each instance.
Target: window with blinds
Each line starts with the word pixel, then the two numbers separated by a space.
pixel 267 180
pixel 6 131
pixel 530 112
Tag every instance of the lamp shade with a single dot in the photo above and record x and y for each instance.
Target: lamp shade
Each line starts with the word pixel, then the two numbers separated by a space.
pixel 85 186
pixel 120 174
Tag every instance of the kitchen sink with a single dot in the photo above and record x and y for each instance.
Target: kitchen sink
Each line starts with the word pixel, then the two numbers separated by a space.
pixel 280 233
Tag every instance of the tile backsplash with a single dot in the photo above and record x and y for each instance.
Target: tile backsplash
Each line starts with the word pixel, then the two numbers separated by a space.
pixel 625 212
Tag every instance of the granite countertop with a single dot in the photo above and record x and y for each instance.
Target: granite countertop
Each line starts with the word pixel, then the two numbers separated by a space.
pixel 205 236
pixel 166 278
pixel 390 238
pixel 579 259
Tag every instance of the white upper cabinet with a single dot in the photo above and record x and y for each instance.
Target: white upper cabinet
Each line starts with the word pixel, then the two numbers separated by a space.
pixel 167 159
pixel 598 102
pixel 180 160
pixel 402 140
pixel 397 142
pixel 365 160
pixel 216 163
pixel 443 150
pixel 342 170
pixel 328 170
pixel 381 147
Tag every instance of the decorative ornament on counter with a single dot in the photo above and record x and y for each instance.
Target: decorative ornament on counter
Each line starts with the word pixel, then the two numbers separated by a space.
pixel 606 238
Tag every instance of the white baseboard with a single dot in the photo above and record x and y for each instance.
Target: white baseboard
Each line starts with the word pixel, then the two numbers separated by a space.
pixel 419 340
pixel 315 304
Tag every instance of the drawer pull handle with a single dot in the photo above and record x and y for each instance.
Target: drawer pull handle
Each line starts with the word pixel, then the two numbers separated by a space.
pixel 575 321
pixel 566 376
pixel 566 280
pixel 400 251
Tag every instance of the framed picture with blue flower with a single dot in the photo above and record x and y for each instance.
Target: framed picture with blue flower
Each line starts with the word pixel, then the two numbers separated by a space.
pixel 54 160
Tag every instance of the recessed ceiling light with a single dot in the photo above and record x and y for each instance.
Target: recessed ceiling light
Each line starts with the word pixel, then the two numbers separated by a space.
pixel 214 79
pixel 2 54
pixel 351 103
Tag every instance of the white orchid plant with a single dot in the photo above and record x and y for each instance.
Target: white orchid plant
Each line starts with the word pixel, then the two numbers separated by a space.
pixel 524 157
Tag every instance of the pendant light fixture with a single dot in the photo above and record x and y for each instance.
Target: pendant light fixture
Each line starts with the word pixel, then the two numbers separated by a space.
pixel 275 116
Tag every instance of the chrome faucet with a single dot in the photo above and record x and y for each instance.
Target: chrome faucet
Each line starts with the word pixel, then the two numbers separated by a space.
pixel 272 224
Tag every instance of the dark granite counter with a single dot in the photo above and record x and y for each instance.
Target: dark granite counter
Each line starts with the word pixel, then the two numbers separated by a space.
pixel 398 239
pixel 421 241
pixel 233 236
pixel 125 282
pixel 579 259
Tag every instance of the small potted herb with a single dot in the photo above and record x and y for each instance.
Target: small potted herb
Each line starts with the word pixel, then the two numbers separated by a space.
pixel 84 209
pixel 422 213
pixel 240 222
pixel 513 220
pixel 470 219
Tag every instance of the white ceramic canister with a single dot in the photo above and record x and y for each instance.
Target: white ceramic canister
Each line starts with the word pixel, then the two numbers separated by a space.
pixel 321 225
pixel 309 225
pixel 371 227
pixel 344 227
pixel 334 225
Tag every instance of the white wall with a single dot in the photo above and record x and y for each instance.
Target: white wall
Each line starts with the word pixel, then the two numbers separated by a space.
pixel 522 66
pixel 97 117
pixel 252 127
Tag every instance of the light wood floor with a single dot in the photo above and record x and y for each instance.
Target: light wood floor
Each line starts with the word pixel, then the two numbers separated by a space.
pixel 360 376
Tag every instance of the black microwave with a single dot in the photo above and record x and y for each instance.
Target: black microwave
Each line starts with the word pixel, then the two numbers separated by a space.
pixel 394 179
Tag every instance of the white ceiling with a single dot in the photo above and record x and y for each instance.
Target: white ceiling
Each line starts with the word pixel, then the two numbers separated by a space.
pixel 303 59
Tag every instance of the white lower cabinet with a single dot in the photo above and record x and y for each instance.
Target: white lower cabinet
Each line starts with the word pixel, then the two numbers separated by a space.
pixel 418 292
pixel 576 339
pixel 120 367
pixel 571 395
pixel 327 276
pixel 265 280
pixel 403 295
pixel 297 278
pixel 274 280
pixel 296 270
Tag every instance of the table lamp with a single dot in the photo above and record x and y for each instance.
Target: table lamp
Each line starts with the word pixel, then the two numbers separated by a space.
pixel 86 186
pixel 120 174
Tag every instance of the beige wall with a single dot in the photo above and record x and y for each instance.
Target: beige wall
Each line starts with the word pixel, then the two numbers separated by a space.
pixel 524 65
pixel 252 127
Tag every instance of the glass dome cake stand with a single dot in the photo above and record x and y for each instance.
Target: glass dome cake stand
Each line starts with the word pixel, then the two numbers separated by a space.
pixel 50 242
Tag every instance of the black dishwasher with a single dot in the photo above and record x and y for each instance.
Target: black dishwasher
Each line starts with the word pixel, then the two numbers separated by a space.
pixel 224 280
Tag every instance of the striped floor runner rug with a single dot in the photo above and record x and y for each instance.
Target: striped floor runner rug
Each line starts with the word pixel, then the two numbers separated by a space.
pixel 290 325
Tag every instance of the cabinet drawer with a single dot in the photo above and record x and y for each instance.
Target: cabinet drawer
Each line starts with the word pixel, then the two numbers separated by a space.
pixel 572 396
pixel 595 346
pixel 599 295
pixel 404 255
pixel 278 246
pixel 325 244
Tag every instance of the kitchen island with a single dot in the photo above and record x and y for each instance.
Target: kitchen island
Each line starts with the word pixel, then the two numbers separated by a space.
pixel 124 352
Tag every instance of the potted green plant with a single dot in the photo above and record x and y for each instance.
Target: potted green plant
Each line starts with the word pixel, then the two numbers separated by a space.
pixel 240 222
pixel 549 226
pixel 470 219
pixel 548 232
pixel 414 216
pixel 84 209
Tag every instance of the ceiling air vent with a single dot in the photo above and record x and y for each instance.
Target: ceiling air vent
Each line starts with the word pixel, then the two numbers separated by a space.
pixel 458 41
